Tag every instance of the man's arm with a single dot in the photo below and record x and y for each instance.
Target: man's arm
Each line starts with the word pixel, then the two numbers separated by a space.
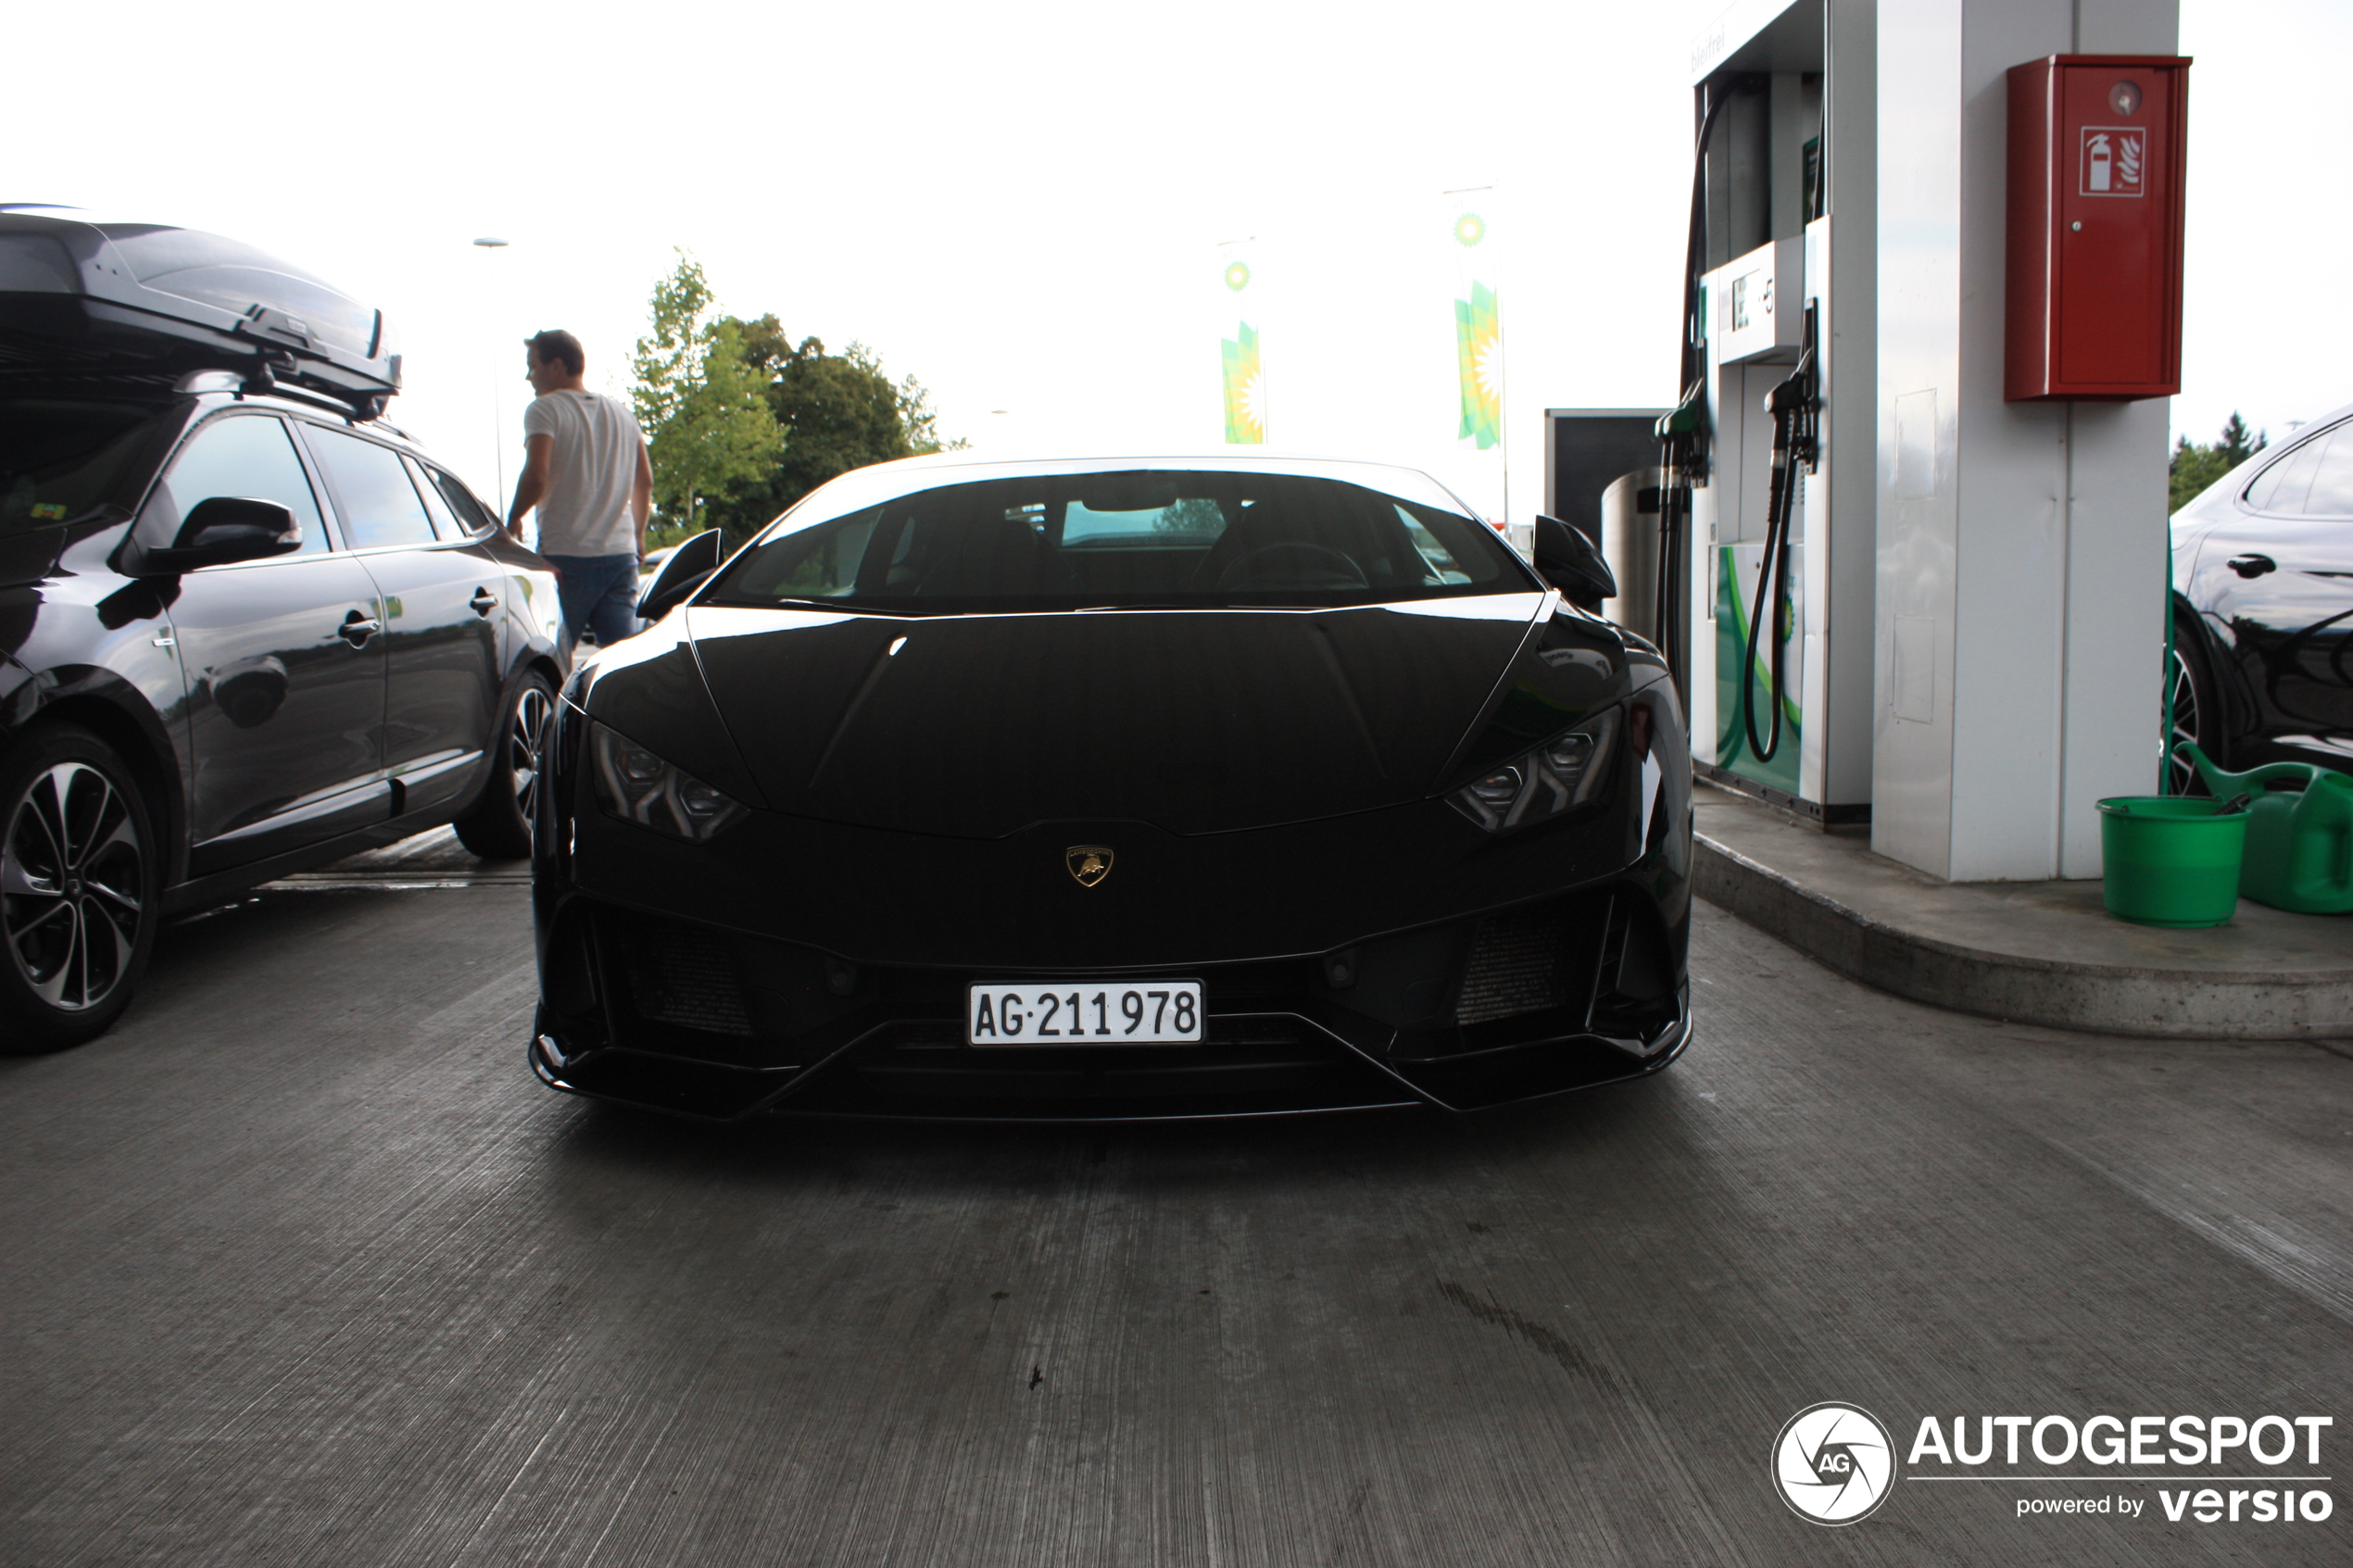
pixel 641 496
pixel 538 453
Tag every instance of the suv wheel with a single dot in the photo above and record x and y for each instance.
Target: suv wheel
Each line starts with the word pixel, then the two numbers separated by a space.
pixel 78 889
pixel 498 826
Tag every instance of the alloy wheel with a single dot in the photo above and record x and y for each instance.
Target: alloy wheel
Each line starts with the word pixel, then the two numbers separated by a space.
pixel 534 711
pixel 2182 723
pixel 72 884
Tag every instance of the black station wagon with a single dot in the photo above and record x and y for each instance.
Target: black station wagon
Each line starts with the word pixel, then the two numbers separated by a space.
pixel 245 627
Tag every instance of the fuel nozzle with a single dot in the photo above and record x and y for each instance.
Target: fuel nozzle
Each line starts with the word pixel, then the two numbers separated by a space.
pixel 1681 431
pixel 1795 392
pixel 1791 404
pixel 1795 404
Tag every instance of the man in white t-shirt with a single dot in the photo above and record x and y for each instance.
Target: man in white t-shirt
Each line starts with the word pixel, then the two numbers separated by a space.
pixel 585 468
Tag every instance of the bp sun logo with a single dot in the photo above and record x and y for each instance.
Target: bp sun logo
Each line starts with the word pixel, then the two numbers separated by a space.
pixel 1835 1463
pixel 1479 347
pixel 1469 228
pixel 1245 389
pixel 1238 276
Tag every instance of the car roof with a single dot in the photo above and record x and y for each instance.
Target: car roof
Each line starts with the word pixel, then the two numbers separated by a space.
pixel 1254 459
pixel 2243 473
pixel 2314 427
pixel 884 482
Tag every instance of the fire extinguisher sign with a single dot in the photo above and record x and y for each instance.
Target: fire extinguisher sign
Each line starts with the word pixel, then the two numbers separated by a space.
pixel 2115 160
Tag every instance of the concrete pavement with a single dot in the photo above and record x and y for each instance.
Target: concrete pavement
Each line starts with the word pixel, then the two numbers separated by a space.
pixel 302 1267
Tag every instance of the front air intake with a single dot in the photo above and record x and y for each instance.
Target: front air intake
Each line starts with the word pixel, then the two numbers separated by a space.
pixel 1521 962
pixel 678 975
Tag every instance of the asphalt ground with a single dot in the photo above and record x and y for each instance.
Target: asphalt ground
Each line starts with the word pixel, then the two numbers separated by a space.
pixel 300 1265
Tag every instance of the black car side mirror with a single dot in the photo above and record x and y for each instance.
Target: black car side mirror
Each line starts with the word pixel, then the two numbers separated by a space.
pixel 229 528
pixel 1572 563
pixel 690 566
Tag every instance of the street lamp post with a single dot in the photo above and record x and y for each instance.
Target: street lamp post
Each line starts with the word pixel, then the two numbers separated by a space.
pixel 497 420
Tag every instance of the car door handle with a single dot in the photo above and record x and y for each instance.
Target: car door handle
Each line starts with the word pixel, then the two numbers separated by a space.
pixel 357 628
pixel 2253 566
pixel 484 601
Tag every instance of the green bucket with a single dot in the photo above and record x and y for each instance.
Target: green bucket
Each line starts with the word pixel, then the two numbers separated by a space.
pixel 2170 859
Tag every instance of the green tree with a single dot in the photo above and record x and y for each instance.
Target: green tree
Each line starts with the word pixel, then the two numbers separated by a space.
pixel 1190 514
pixel 839 411
pixel 707 421
pixel 2196 467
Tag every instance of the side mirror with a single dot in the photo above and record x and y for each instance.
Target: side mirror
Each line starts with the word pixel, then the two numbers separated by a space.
pixel 223 529
pixel 1572 563
pixel 690 566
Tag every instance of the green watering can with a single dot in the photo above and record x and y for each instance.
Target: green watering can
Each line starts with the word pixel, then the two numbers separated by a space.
pixel 2300 837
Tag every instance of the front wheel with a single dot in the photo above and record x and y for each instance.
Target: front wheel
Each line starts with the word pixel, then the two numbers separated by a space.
pixel 78 889
pixel 2192 709
pixel 498 826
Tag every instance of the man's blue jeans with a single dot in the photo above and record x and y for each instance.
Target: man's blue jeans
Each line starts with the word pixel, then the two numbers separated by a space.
pixel 597 593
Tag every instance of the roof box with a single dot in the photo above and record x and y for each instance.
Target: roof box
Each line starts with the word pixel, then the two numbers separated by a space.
pixel 81 295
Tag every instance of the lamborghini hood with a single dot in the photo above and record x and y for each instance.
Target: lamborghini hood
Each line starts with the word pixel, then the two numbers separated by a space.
pixel 1194 720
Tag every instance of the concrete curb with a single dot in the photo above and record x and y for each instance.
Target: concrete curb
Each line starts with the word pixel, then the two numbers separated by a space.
pixel 2104 998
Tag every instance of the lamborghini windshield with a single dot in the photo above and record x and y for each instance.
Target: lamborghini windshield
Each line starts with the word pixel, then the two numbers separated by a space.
pixel 1145 539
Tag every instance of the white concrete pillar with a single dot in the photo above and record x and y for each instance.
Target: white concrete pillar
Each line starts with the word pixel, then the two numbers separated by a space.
pixel 2020 608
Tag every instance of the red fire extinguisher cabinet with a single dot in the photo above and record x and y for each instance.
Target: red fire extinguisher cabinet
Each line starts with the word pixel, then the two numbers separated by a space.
pixel 2096 152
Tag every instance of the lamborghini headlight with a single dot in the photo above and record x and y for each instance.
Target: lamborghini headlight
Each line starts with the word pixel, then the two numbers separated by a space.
pixel 1564 772
pixel 638 786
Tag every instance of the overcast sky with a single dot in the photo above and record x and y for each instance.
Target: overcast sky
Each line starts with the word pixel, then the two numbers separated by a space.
pixel 1020 204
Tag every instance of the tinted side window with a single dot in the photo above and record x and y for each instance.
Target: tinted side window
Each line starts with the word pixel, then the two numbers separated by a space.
pixel 462 501
pixel 248 454
pixel 2331 492
pixel 444 523
pixel 2281 488
pixel 378 505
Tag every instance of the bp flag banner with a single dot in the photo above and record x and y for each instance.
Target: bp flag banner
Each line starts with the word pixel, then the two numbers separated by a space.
pixel 1245 374
pixel 1479 323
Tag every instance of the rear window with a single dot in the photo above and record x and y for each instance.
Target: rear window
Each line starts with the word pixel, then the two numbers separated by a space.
pixel 1113 541
pixel 60 459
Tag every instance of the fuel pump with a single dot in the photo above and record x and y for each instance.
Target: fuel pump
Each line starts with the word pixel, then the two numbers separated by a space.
pixel 1768 538
pixel 1792 407
pixel 1682 431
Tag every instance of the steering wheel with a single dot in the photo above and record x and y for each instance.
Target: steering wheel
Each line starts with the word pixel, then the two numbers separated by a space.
pixel 1336 570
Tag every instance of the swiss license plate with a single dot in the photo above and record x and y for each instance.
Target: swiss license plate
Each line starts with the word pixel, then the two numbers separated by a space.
pixel 1088 1012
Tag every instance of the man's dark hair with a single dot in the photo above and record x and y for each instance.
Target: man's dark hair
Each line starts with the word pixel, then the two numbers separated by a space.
pixel 558 345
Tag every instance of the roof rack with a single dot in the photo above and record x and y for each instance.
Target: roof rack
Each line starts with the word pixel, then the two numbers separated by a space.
pixel 84 297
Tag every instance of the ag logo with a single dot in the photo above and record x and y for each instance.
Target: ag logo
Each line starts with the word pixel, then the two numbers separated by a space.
pixel 1835 1463
pixel 1088 862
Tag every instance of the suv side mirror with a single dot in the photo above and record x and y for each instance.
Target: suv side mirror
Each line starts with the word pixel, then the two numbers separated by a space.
pixel 229 528
pixel 690 566
pixel 1571 562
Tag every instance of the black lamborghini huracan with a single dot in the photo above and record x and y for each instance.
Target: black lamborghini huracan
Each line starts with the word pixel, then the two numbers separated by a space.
pixel 1131 788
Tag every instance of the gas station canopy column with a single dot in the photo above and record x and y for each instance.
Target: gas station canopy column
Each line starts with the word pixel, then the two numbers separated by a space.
pixel 2021 601
pixel 1932 319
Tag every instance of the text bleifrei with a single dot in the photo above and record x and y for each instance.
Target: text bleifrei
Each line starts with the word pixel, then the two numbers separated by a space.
pixel 2149 1442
